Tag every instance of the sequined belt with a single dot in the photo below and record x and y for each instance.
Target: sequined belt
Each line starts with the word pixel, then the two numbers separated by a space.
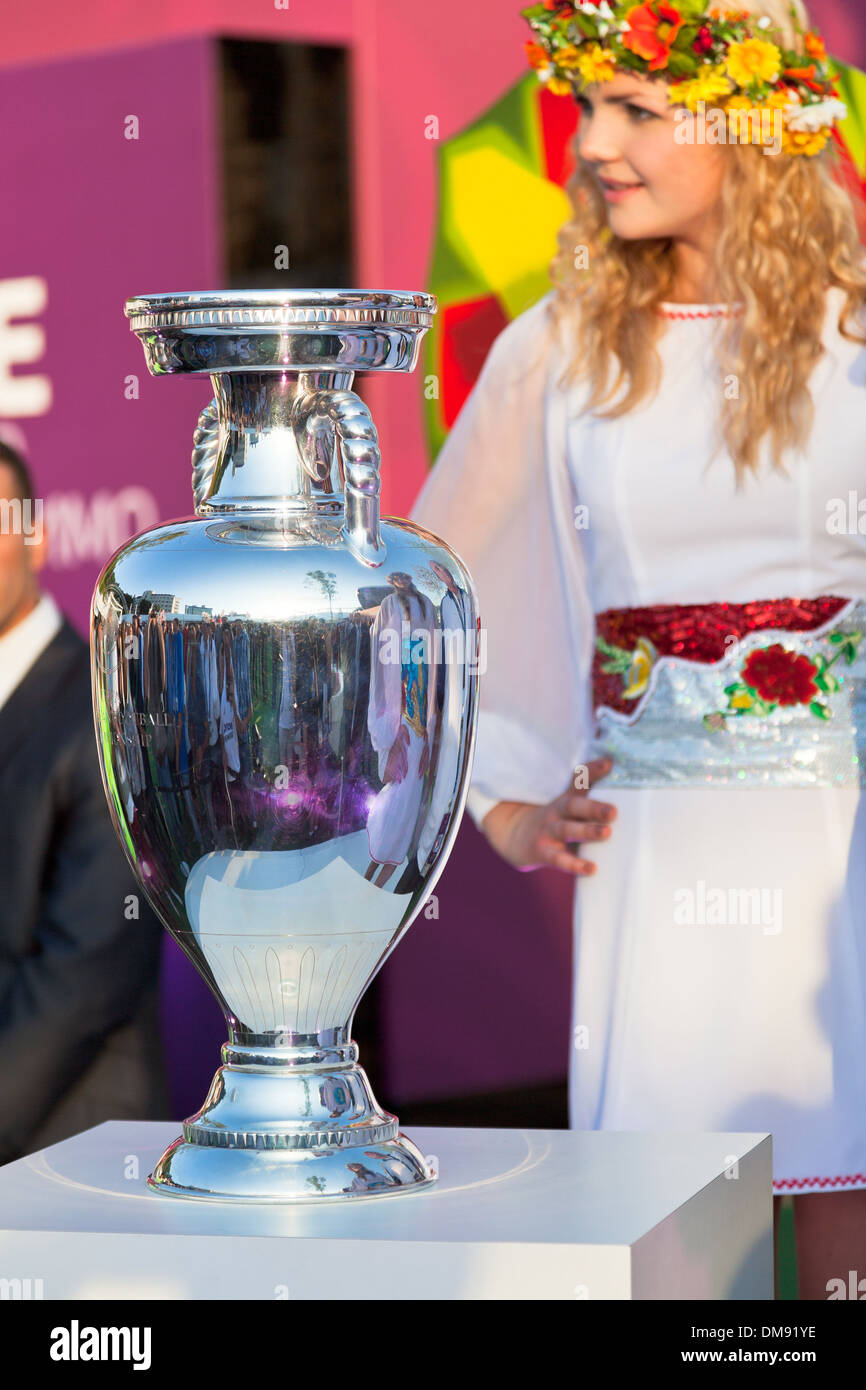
pixel 769 693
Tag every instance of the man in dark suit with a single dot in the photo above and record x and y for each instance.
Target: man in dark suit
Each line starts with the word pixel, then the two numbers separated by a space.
pixel 79 946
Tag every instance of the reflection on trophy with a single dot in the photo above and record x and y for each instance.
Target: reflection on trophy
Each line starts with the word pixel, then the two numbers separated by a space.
pixel 285 698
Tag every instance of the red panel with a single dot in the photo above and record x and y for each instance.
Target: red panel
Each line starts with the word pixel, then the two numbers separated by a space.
pixel 850 179
pixel 560 116
pixel 468 329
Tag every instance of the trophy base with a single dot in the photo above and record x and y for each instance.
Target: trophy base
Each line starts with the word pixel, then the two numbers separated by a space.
pixel 223 1174
pixel 271 1132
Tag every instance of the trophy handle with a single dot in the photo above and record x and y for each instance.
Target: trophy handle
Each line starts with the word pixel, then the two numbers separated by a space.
pixel 322 417
pixel 204 453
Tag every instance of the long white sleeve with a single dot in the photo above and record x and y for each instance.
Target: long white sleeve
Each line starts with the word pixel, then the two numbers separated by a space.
pixel 500 494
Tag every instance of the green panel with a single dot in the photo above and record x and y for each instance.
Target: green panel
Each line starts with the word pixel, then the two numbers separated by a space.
pixel 513 126
pixel 787 1251
pixel 852 90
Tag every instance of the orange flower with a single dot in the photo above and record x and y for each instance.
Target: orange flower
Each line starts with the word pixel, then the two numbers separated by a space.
pixel 814 45
pixel 652 30
pixel 538 58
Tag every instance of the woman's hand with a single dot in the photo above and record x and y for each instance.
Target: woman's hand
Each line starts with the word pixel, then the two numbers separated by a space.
pixel 535 837
pixel 397 762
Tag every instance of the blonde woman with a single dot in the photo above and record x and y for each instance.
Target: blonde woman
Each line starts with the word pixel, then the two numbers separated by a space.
pixel 654 483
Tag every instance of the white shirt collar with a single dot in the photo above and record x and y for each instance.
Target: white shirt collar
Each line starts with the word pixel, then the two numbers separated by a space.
pixel 23 644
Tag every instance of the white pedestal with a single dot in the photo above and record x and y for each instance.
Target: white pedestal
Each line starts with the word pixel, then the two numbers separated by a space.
pixel 516 1214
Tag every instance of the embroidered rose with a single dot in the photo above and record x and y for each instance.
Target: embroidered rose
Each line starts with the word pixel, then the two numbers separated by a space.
pixel 780 675
pixel 773 676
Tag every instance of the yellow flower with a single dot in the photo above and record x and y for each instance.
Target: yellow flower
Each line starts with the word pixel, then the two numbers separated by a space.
pixel 567 56
pixel 708 86
pixel 596 64
pixel 742 701
pixel 560 86
pixel 753 60
pixel 779 99
pixel 748 125
pixel 642 660
pixel 805 141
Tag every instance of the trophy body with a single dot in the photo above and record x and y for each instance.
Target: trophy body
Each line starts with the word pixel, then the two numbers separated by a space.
pixel 285 702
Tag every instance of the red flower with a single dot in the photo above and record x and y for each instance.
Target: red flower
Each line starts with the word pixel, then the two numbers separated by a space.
pixel 779 675
pixel 806 75
pixel 703 41
pixel 652 30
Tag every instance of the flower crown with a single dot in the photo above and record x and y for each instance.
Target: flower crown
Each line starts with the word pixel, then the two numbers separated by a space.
pixel 720 57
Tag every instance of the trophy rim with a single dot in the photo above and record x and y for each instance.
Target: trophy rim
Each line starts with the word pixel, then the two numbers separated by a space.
pixel 229 309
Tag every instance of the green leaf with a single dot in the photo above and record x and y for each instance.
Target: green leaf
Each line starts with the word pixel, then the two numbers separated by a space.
pixel 687 36
pixel 681 64
pixel 764 706
pixel 627 59
pixel 587 25
pixel 819 710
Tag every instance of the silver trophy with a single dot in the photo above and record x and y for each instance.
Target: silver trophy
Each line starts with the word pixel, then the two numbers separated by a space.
pixel 285 700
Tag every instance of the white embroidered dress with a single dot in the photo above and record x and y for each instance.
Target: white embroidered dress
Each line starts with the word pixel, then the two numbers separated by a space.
pixel 694 1022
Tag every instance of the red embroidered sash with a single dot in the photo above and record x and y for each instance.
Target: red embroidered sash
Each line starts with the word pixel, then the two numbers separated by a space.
pixel 696 632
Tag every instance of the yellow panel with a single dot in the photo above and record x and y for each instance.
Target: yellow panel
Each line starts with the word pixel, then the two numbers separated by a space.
pixel 503 221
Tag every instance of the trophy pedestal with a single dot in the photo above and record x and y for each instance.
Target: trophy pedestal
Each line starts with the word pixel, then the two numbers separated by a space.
pixel 515 1214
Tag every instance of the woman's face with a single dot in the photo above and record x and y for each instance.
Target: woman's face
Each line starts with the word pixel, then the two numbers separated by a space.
pixel 654 185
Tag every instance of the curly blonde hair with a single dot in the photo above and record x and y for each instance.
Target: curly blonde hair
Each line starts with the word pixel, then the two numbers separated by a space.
pixel 792 226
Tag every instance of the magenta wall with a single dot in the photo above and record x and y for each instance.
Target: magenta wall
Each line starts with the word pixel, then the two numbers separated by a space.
pixel 95 218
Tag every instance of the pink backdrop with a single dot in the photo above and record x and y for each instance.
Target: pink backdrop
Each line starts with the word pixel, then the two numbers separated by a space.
pixel 479 997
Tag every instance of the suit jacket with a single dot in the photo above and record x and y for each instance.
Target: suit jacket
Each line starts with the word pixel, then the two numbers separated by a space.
pixel 79 1022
